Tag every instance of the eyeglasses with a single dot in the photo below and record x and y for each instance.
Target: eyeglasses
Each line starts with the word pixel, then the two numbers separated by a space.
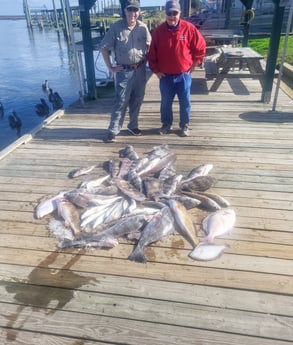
pixel 132 9
pixel 172 13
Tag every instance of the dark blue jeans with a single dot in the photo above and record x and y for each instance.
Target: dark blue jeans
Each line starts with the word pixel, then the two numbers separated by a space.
pixel 171 85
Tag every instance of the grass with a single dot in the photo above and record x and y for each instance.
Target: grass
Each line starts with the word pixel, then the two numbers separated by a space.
pixel 261 45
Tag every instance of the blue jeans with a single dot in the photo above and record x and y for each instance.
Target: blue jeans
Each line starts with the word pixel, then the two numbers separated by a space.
pixel 129 92
pixel 171 85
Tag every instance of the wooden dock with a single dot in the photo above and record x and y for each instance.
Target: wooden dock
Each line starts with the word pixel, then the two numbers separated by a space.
pixel 85 297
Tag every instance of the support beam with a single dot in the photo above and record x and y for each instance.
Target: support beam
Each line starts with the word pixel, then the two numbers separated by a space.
pixel 85 6
pixel 273 52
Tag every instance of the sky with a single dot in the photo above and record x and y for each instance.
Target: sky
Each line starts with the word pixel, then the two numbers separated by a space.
pixel 14 7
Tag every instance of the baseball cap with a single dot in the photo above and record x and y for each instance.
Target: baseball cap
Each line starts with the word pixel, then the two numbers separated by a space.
pixel 172 5
pixel 132 3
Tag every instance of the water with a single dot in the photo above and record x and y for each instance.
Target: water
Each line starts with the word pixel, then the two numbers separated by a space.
pixel 27 59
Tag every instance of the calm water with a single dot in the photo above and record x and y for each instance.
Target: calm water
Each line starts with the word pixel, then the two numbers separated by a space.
pixel 27 59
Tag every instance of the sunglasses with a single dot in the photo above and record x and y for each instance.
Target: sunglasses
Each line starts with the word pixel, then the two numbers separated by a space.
pixel 132 9
pixel 172 13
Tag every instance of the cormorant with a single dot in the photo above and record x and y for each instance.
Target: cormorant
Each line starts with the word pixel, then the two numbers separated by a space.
pixel 15 123
pixel 1 110
pixel 42 109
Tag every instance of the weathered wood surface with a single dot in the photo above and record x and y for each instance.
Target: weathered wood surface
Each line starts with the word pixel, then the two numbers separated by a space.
pixel 74 297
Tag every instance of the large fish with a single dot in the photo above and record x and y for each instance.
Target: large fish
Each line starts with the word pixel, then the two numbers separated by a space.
pixel 206 252
pixel 81 171
pixel 200 183
pixel 109 237
pixel 156 164
pixel 161 225
pixel 127 189
pixel 218 223
pixel 217 198
pixel 68 212
pixel 186 201
pixel 48 206
pixel 79 197
pixel 89 243
pixel 183 220
pixel 93 183
pixel 206 203
pixel 201 170
pixel 159 151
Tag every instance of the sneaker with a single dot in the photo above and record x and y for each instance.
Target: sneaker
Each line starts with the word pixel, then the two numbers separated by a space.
pixel 111 138
pixel 134 131
pixel 165 129
pixel 184 132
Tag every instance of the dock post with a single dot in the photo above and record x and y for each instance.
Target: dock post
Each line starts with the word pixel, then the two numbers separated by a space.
pixel 27 13
pixel 56 16
pixel 87 46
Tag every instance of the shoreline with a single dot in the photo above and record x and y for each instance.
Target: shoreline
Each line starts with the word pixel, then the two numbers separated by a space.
pixel 12 17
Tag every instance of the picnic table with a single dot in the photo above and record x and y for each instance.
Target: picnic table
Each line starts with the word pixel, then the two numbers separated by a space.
pixel 221 37
pixel 238 63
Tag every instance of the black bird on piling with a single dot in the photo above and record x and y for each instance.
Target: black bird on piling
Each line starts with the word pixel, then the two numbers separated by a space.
pixel 1 110
pixel 15 123
pixel 42 109
pixel 45 86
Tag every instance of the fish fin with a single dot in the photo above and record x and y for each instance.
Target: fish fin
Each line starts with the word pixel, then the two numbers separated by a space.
pixel 137 255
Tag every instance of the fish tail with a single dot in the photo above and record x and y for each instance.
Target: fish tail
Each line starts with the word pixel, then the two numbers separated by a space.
pixel 65 244
pixel 138 255
pixel 207 239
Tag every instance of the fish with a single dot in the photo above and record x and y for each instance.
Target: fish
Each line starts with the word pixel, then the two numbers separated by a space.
pixel 128 190
pixel 48 206
pixel 207 252
pixel 135 180
pixel 128 152
pixel 157 164
pixel 221 201
pixel 104 190
pixel 186 201
pixel 68 212
pixel 81 171
pixel 79 197
pixel 218 223
pixel 170 185
pixel 183 220
pixel 125 166
pixel 114 167
pixel 110 236
pixel 153 187
pixel 200 183
pixel 201 170
pixel 160 225
pixel 159 151
pixel 94 243
pixel 206 203
pixel 94 183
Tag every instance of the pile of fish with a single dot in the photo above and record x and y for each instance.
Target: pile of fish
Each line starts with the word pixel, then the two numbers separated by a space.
pixel 141 199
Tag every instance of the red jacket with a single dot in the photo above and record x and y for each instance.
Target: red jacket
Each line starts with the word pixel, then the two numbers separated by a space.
pixel 175 51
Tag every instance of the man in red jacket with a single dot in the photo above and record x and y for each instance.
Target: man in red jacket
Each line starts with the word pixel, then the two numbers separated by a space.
pixel 177 47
